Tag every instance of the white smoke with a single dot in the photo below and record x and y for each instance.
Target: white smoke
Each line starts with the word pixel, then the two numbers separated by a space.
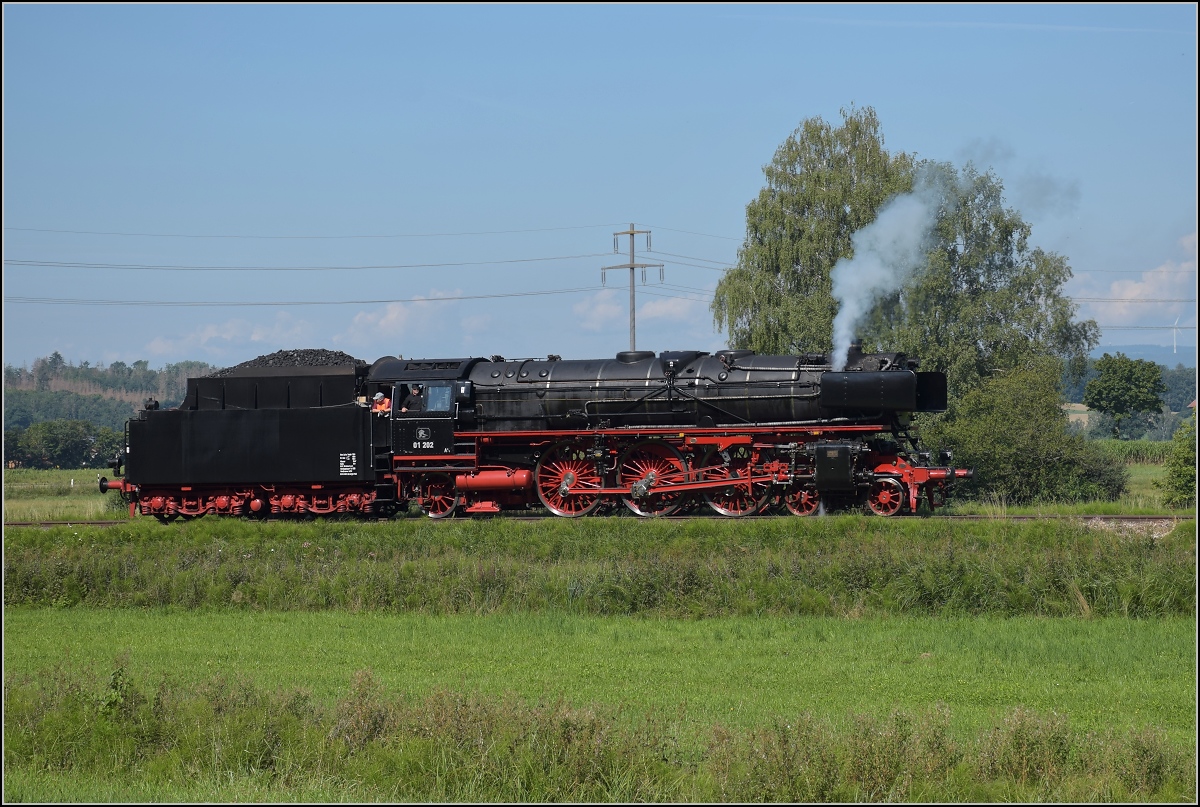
pixel 886 252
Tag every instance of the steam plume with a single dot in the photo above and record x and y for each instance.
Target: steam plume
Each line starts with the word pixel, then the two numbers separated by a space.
pixel 886 252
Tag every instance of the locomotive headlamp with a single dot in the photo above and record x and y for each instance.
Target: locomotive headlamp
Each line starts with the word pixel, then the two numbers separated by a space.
pixel 945 457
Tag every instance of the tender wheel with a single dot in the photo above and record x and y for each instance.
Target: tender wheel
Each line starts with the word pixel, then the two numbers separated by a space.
pixel 886 497
pixel 732 499
pixel 802 499
pixel 436 495
pixel 650 469
pixel 566 480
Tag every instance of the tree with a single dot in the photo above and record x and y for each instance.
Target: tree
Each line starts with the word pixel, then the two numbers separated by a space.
pixel 1124 388
pixel 1181 387
pixel 1013 431
pixel 823 184
pixel 1179 484
pixel 984 300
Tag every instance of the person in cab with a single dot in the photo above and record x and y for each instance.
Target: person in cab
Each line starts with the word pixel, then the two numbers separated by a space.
pixel 382 404
pixel 414 401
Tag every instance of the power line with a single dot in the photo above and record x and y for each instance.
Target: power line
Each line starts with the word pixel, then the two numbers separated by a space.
pixel 1130 271
pixel 674 296
pixel 1124 300
pixel 172 268
pixel 1147 327
pixel 699 266
pixel 689 257
pixel 251 303
pixel 311 237
pixel 691 232
pixel 688 288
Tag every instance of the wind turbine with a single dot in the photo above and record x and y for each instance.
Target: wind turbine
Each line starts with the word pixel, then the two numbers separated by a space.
pixel 1175 337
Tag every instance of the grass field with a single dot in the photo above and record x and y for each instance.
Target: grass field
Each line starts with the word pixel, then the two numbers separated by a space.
pixel 739 671
pixel 58 495
pixel 706 695
pixel 846 658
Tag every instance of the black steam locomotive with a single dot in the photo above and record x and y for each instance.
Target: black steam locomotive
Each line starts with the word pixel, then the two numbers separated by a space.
pixel 733 432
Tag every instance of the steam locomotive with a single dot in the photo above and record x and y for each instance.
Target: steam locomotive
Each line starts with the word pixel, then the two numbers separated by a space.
pixel 732 432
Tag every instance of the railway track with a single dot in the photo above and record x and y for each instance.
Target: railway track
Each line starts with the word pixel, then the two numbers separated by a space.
pixel 1131 519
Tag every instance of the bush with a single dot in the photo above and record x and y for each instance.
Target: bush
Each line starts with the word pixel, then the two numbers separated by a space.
pixel 1014 433
pixel 1180 482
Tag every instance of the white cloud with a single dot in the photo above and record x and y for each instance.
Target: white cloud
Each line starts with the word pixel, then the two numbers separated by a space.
pixel 474 326
pixel 394 320
pixel 476 323
pixel 674 309
pixel 600 310
pixel 1172 280
pixel 234 337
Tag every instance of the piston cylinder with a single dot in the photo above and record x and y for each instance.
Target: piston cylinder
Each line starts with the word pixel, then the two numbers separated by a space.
pixel 494 480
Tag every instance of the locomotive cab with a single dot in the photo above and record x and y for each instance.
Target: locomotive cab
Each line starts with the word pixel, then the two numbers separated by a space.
pixel 427 428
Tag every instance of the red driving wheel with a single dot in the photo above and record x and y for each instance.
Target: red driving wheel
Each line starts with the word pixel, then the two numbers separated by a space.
pixel 738 498
pixel 649 469
pixel 566 480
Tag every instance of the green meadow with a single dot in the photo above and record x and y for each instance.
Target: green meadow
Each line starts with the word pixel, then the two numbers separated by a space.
pixel 845 658
pixel 109 704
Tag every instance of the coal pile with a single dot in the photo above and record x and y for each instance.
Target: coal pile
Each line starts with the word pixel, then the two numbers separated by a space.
pixel 294 358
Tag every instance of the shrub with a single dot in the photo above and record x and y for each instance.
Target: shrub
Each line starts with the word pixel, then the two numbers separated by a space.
pixel 1013 432
pixel 1180 482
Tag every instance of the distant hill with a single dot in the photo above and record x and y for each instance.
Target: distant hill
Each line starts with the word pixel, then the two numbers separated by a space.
pixel 54 389
pixel 1159 354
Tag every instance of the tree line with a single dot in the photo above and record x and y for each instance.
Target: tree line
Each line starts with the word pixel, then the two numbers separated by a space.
pixel 129 382
pixel 1180 383
pixel 61 444
pixel 62 415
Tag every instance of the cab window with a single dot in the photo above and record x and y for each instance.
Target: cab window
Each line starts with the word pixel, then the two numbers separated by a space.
pixel 438 398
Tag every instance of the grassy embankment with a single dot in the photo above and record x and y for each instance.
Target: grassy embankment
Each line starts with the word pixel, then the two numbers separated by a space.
pixel 842 566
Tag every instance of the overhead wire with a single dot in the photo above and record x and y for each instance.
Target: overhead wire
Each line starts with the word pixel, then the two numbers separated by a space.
pixel 265 303
pixel 313 237
pixel 689 232
pixel 688 257
pixel 1125 300
pixel 178 268
pixel 1130 271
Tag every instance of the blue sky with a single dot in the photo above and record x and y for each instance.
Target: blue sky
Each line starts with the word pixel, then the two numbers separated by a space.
pixel 468 140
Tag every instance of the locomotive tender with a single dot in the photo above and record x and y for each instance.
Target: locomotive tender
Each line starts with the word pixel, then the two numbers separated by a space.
pixel 731 431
